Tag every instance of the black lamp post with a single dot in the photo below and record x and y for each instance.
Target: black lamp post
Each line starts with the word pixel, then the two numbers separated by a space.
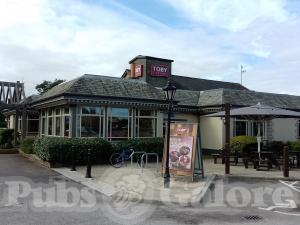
pixel 169 91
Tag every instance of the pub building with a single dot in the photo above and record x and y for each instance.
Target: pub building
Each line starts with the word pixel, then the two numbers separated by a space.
pixel 134 106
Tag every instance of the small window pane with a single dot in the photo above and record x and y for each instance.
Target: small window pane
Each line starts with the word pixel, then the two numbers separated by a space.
pixel 57 111
pixel 33 117
pixel 90 110
pixel 146 113
pixel 120 112
pixel 67 111
pixel 50 112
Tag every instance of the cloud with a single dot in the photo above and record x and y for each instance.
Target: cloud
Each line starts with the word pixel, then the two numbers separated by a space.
pixel 233 15
pixel 47 39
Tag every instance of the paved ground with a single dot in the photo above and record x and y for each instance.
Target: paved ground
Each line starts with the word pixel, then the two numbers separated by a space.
pixel 147 183
pixel 227 203
pixel 239 170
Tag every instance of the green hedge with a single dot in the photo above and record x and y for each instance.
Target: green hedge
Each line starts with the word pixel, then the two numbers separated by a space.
pixel 6 138
pixel 294 145
pixel 149 145
pixel 27 145
pixel 242 144
pixel 59 149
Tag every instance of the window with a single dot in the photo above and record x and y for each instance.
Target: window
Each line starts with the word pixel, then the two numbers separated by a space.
pixel 146 123
pixel 91 120
pixel 32 124
pixel 240 128
pixel 255 129
pixel 119 123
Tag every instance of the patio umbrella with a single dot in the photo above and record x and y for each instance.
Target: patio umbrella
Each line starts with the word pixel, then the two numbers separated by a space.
pixel 259 113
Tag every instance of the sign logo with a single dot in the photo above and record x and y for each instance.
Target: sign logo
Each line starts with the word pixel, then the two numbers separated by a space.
pixel 138 70
pixel 159 70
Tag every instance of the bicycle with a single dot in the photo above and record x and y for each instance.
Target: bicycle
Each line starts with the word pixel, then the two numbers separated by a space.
pixel 117 160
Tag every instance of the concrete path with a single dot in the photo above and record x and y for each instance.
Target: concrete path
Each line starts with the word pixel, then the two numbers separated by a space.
pixel 240 171
pixel 137 185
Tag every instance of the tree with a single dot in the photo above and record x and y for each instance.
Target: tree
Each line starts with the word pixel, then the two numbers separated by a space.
pixel 46 85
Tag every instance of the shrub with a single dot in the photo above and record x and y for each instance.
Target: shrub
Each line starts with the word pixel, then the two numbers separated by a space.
pixel 27 145
pixel 242 144
pixel 59 149
pixel 294 145
pixel 6 138
pixel 149 145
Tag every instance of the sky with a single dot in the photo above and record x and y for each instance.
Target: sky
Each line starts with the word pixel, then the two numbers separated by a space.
pixel 211 39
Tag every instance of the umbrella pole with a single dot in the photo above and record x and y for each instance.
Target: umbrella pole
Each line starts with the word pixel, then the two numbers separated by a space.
pixel 258 139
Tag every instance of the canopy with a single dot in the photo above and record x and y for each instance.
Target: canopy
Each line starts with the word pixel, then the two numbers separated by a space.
pixel 258 111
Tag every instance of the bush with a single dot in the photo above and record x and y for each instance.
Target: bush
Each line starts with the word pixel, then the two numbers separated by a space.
pixel 149 145
pixel 6 138
pixel 294 145
pixel 242 144
pixel 27 145
pixel 59 149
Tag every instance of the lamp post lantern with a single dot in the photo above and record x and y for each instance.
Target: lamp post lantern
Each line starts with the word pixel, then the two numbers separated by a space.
pixel 169 91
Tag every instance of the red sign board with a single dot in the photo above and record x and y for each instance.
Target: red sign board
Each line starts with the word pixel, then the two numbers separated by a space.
pixel 139 70
pixel 159 70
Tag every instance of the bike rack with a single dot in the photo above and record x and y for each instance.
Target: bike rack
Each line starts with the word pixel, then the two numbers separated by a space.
pixel 133 153
pixel 147 154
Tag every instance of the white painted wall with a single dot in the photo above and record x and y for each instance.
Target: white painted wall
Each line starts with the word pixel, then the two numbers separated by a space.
pixel 285 129
pixel 212 132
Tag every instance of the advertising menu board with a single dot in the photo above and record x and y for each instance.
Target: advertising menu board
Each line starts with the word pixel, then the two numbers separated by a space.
pixel 182 148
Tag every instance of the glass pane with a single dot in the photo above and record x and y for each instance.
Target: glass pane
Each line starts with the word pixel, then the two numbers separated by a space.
pixel 119 127
pixel 66 110
pixel 90 126
pixel 255 129
pixel 57 111
pixel 33 117
pixel 146 113
pixel 146 127
pixel 50 112
pixel 240 128
pixel 67 126
pixel 33 126
pixel 119 112
pixel 90 110
pixel 44 126
pixel 57 126
pixel 43 113
pixel 50 126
